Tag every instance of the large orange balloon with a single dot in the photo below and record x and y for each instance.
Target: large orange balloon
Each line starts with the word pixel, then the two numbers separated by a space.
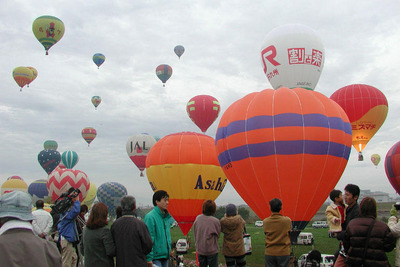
pixel 186 166
pixel 366 108
pixel 291 144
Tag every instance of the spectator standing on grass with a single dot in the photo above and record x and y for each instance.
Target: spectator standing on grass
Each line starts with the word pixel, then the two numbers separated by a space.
pixel 394 226
pixel 233 225
pixel 42 222
pixel 335 213
pixel 277 239
pixel 206 230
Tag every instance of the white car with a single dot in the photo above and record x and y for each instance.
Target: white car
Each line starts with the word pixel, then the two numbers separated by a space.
pixel 182 246
pixel 326 260
pixel 320 224
pixel 258 223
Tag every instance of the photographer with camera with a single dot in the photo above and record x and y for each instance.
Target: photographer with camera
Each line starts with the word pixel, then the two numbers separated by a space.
pixel 69 207
pixel 394 226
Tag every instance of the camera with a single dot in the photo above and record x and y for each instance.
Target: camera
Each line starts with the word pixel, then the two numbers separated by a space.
pixel 397 205
pixel 64 202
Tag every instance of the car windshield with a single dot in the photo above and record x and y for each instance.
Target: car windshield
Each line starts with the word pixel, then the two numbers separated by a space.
pixel 182 243
pixel 329 259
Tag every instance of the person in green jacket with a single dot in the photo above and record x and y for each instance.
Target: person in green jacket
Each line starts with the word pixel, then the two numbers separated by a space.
pixel 158 223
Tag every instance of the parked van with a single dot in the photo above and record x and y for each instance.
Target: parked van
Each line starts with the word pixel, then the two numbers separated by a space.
pixel 326 260
pixel 182 246
pixel 258 223
pixel 320 224
pixel 305 239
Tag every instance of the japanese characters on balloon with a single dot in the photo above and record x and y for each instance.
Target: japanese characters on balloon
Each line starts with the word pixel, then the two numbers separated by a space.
pixel 137 147
pixel 291 144
pixel 186 166
pixel 61 180
pixel 203 110
pixel 293 56
pixel 48 30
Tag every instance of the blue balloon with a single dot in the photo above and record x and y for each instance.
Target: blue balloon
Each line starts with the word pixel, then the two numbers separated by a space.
pixel 98 59
pixel 110 193
pixel 49 159
pixel 38 188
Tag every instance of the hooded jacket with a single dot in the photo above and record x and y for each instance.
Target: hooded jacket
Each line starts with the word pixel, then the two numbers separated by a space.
pixel 332 212
pixel 233 228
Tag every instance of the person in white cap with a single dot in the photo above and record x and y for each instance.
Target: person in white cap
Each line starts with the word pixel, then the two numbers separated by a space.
pixel 19 246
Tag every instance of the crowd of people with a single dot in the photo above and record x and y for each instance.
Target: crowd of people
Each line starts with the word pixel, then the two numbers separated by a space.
pixel 27 238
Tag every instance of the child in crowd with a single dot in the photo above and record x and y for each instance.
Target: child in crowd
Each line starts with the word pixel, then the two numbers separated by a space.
pixel 335 212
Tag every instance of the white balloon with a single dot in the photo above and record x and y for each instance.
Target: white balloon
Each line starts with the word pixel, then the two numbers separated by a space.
pixel 293 56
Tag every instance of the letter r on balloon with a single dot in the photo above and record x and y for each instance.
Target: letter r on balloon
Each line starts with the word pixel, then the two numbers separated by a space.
pixel 269 54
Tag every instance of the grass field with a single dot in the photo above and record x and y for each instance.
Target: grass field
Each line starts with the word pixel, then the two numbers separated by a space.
pixel 321 242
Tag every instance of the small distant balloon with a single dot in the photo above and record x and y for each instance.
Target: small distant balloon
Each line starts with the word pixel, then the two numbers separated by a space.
pixel 203 110
pixel 48 30
pixel 22 76
pixel 98 59
pixel 89 134
pixel 69 159
pixel 96 100
pixel 164 72
pixel 375 158
pixel 50 144
pixel 179 50
pixel 34 74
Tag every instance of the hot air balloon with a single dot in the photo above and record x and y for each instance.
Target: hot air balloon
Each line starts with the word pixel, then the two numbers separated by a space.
pixel 137 148
pixel 291 144
pixel 61 180
pixel 293 56
pixel 49 159
pixel 186 166
pixel 96 100
pixel 14 177
pixel 89 134
pixel 13 185
pixel 91 195
pixel 164 72
pixel 38 189
pixel 69 159
pixel 22 76
pixel 98 59
pixel 179 50
pixel 375 158
pixel 366 108
pixel 110 193
pixel 50 144
pixel 48 30
pixel 34 74
pixel 203 110
pixel 392 166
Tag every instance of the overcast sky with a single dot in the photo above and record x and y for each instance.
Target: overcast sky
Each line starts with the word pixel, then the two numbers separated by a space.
pixel 222 40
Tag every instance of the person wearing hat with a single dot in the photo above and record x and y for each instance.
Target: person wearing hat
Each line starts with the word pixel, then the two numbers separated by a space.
pixel 19 246
pixel 233 225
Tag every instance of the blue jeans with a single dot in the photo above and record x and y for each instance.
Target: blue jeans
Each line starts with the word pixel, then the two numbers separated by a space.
pixel 210 260
pixel 274 261
pixel 160 263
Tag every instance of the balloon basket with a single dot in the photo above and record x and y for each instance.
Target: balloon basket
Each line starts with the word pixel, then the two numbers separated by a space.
pixel 360 157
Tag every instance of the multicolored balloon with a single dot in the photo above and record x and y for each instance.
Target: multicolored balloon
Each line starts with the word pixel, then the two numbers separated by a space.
pixel 50 144
pixel 392 166
pixel 34 74
pixel 179 50
pixel 90 196
pixel 293 56
pixel 137 147
pixel 164 72
pixel 61 180
pixel 15 177
pixel 48 30
pixel 49 159
pixel 39 189
pixel 96 100
pixel 22 76
pixel 89 134
pixel 13 185
pixel 375 158
pixel 110 193
pixel 186 166
pixel 366 108
pixel 98 59
pixel 203 110
pixel 280 144
pixel 69 159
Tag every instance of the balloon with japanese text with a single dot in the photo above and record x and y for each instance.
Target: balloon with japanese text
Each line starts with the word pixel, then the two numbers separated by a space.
pixel 110 193
pixel 163 73
pixel 13 185
pixel 203 110
pixel 137 147
pixel 375 158
pixel 179 50
pixel 280 144
pixel 392 166
pixel 89 134
pixel 49 159
pixel 186 166
pixel 366 108
pixel 48 30
pixel 61 180
pixel 98 59
pixel 96 100
pixel 293 56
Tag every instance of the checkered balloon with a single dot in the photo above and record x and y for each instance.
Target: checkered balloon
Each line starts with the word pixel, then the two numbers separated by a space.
pixel 110 193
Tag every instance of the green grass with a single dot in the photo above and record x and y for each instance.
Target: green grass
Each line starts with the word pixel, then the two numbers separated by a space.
pixel 321 242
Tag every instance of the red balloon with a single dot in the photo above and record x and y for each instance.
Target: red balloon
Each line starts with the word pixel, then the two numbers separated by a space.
pixel 61 180
pixel 203 110
pixel 392 166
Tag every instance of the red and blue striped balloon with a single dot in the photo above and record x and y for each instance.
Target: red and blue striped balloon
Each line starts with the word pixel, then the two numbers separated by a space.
pixel 392 166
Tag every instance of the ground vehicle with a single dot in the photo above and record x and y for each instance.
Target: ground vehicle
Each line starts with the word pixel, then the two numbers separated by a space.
pixel 326 260
pixel 305 239
pixel 258 223
pixel 182 246
pixel 320 224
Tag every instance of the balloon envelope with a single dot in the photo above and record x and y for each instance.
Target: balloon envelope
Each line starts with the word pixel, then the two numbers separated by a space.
pixel 366 108
pixel 69 159
pixel 291 144
pixel 186 166
pixel 137 147
pixel 49 159
pixel 293 56
pixel 203 110
pixel 15 177
pixel 90 196
pixel 164 72
pixel 13 185
pixel 89 134
pixel 98 59
pixel 375 158
pixel 22 76
pixel 34 74
pixel 392 166
pixel 38 189
pixel 179 50
pixel 96 100
pixel 110 193
pixel 61 180
pixel 50 144
pixel 48 30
